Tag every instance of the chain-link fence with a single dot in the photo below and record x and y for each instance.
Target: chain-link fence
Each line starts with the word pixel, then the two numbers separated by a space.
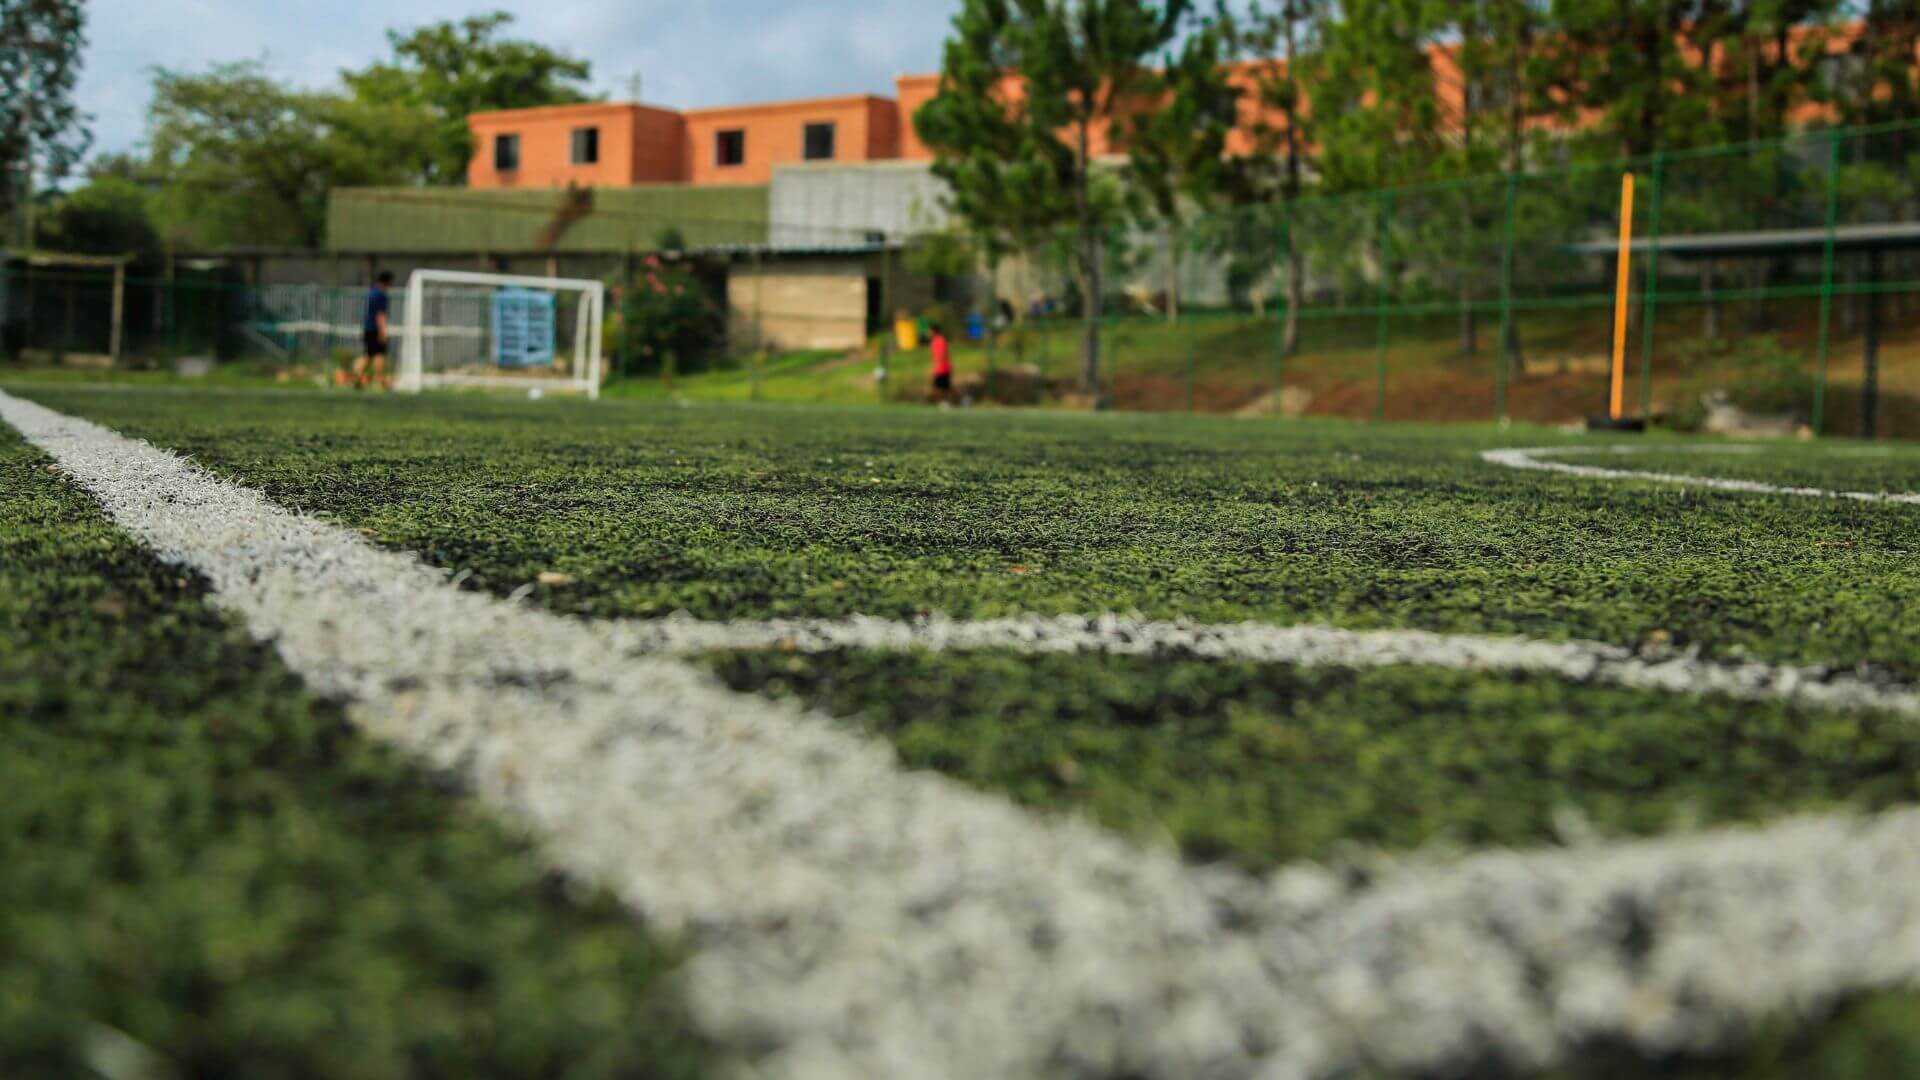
pixel 1772 283
pixel 93 317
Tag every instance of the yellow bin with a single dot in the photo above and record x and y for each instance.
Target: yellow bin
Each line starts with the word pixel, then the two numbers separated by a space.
pixel 907 334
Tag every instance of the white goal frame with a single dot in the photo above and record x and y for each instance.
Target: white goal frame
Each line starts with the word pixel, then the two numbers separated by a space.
pixel 584 373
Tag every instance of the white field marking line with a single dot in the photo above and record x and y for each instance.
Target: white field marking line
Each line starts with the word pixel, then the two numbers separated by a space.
pixel 1531 458
pixel 1580 661
pixel 853 919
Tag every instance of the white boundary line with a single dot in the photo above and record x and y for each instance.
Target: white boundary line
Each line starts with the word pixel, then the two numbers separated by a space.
pixel 853 919
pixel 1582 661
pixel 1531 458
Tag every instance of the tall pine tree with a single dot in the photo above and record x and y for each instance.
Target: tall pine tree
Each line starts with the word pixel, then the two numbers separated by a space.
pixel 1062 76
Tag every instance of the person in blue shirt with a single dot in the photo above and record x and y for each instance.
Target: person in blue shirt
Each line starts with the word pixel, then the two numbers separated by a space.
pixel 371 368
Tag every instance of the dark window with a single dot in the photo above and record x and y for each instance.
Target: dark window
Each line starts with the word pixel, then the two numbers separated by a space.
pixel 1490 95
pixel 819 142
pixel 1843 74
pixel 586 146
pixel 506 153
pixel 730 148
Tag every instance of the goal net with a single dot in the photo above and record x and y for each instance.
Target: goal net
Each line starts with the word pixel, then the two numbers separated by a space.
pixel 460 328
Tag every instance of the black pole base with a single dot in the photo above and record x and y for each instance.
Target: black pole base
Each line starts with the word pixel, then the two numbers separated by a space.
pixel 1634 424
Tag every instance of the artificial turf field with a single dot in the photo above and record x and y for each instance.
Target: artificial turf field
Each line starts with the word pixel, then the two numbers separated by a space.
pixel 128 698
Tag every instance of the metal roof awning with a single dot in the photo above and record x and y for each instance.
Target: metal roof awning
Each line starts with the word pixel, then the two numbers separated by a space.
pixel 1880 236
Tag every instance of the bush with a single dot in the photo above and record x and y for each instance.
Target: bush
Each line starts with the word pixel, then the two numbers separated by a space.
pixel 667 321
pixel 1757 374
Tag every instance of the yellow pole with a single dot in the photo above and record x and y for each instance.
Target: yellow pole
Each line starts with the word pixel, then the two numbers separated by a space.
pixel 1620 297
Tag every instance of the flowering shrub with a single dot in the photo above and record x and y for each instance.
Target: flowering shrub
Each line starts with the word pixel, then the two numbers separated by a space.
pixel 667 321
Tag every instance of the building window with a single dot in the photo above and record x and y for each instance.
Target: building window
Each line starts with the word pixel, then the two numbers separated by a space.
pixel 1843 75
pixel 586 146
pixel 819 142
pixel 730 148
pixel 506 153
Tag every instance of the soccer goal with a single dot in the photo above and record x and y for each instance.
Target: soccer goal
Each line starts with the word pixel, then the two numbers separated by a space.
pixel 461 328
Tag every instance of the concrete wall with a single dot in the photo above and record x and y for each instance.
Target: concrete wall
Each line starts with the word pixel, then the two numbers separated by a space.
pixel 659 146
pixel 811 205
pixel 508 222
pixel 797 304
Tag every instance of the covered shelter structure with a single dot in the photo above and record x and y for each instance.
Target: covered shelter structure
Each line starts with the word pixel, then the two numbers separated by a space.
pixel 21 271
pixel 1872 243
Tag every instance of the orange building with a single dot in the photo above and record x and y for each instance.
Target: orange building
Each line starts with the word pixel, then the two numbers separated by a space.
pixel 620 144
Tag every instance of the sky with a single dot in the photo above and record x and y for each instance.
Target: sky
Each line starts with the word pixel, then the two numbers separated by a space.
pixel 688 53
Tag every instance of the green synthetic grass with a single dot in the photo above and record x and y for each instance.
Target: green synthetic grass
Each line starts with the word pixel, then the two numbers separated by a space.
pixel 741 512
pixel 748 512
pixel 1265 764
pixel 205 872
pixel 735 512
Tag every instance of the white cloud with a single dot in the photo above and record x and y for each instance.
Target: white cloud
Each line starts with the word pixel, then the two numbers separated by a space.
pixel 689 53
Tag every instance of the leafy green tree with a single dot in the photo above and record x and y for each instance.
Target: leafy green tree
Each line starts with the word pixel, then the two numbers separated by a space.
pixel 1282 45
pixel 1003 179
pixel 239 158
pixel 454 69
pixel 1036 82
pixel 41 130
pixel 1177 149
pixel 108 215
pixel 1881 84
pixel 1377 99
pixel 1624 72
pixel 1489 96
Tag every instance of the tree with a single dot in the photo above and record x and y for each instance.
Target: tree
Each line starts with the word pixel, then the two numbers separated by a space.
pixel 1490 99
pixel 239 158
pixel 108 215
pixel 455 69
pixel 1284 42
pixel 41 130
pixel 1044 79
pixel 1003 179
pixel 1885 86
pixel 1377 97
pixel 1628 73
pixel 1177 150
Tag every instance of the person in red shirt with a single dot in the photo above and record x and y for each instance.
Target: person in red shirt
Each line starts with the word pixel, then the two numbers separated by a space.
pixel 942 365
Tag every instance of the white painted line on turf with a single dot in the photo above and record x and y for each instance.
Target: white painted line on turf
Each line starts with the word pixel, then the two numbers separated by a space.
pixel 852 919
pixel 1532 458
pixel 1581 661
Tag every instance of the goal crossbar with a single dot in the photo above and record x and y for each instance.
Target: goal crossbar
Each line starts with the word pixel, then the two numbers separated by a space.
pixel 583 372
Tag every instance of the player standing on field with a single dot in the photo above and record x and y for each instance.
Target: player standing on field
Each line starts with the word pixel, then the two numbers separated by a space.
pixel 373 331
pixel 942 365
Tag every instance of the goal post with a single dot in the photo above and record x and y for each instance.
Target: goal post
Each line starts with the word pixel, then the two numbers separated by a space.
pixel 507 331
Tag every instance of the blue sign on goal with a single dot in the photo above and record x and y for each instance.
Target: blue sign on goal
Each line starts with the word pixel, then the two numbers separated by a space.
pixel 523 322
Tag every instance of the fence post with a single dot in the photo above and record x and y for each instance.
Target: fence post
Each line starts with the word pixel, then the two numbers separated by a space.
pixel 33 302
pixel 1826 283
pixel 759 342
pixel 116 335
pixel 886 317
pixel 1650 306
pixel 1504 354
pixel 1173 308
pixel 1280 321
pixel 1386 278
pixel 991 313
pixel 624 360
